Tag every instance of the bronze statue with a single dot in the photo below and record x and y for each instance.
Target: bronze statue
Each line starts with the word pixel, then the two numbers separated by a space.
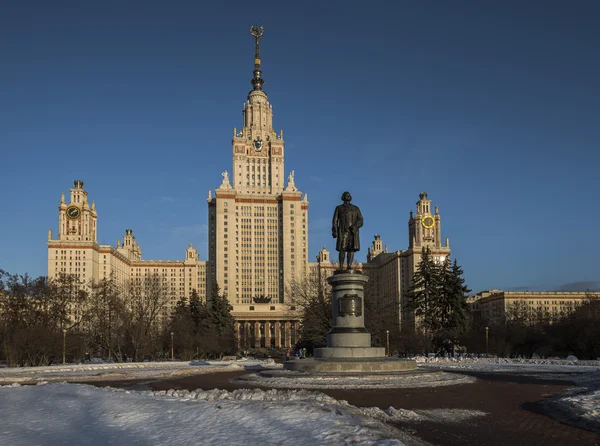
pixel 347 220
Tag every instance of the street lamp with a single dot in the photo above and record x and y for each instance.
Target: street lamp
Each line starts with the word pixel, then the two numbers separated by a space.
pixel 487 330
pixel 64 346
pixel 387 334
pixel 172 348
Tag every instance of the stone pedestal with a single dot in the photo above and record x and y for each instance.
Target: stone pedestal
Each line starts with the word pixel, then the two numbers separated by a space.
pixel 349 350
pixel 348 337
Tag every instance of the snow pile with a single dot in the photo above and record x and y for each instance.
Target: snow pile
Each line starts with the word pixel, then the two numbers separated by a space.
pixel 120 371
pixel 518 365
pixel 579 406
pixel 241 395
pixel 286 379
pixel 80 414
pixel 433 415
pixel 494 360
pixel 585 404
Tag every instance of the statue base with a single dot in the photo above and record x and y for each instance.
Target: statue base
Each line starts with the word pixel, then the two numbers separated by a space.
pixel 349 352
pixel 351 366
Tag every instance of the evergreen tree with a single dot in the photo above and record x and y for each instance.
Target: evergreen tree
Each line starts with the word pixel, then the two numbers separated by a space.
pixel 217 325
pixel 453 309
pixel 197 310
pixel 220 311
pixel 181 307
pixel 424 294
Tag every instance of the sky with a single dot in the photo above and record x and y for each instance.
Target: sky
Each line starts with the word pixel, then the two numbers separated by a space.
pixel 490 107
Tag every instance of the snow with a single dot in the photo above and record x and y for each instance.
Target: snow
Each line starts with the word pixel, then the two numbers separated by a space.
pixel 510 365
pixel 122 371
pixel 585 404
pixel 61 413
pixel 286 379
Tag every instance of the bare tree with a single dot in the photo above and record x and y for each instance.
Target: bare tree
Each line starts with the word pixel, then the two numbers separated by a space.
pixel 312 295
pixel 146 303
pixel 106 319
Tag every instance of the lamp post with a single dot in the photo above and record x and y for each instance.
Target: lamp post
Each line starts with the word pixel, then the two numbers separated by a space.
pixel 64 346
pixel 387 335
pixel 487 330
pixel 172 348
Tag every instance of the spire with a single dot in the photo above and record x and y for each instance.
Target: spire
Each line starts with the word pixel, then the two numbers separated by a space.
pixel 257 81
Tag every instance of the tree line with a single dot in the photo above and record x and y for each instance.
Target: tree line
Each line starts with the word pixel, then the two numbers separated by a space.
pixel 41 320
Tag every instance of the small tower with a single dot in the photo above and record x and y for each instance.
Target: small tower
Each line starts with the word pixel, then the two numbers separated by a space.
pixel 191 255
pixel 375 249
pixel 323 256
pixel 130 248
pixel 77 220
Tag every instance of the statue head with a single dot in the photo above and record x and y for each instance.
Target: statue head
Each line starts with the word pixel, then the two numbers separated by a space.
pixel 346 197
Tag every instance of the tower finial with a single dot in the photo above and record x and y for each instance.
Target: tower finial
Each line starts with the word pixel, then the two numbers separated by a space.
pixel 257 32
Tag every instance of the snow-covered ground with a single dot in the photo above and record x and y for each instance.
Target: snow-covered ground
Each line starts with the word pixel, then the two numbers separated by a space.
pixel 286 379
pixel 59 413
pixel 77 414
pixel 510 365
pixel 122 371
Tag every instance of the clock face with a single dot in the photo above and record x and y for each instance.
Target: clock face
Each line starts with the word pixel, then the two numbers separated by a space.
pixel 428 222
pixel 258 144
pixel 73 212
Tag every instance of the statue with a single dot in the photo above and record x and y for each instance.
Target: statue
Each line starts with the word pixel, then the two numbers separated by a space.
pixel 225 184
pixel 347 220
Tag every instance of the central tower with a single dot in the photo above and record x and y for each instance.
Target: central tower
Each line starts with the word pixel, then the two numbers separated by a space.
pixel 258 225
pixel 257 149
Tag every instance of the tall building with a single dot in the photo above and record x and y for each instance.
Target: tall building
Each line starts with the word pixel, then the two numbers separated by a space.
pixel 258 224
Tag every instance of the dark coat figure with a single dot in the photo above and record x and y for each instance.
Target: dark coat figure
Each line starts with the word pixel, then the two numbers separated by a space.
pixel 347 220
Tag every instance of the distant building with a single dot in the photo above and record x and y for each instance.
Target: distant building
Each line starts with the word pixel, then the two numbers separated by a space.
pixel 496 305
pixel 76 251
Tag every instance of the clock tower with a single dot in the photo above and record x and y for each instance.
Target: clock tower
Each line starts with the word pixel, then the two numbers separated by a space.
pixel 424 231
pixel 77 220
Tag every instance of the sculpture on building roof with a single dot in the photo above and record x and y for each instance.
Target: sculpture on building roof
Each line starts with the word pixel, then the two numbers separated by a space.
pixel 257 81
pixel 225 184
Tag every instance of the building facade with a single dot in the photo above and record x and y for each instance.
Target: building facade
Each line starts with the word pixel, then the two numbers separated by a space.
pixel 76 251
pixel 257 239
pixel 496 306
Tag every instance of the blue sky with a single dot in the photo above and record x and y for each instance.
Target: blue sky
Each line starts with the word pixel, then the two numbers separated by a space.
pixel 493 108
